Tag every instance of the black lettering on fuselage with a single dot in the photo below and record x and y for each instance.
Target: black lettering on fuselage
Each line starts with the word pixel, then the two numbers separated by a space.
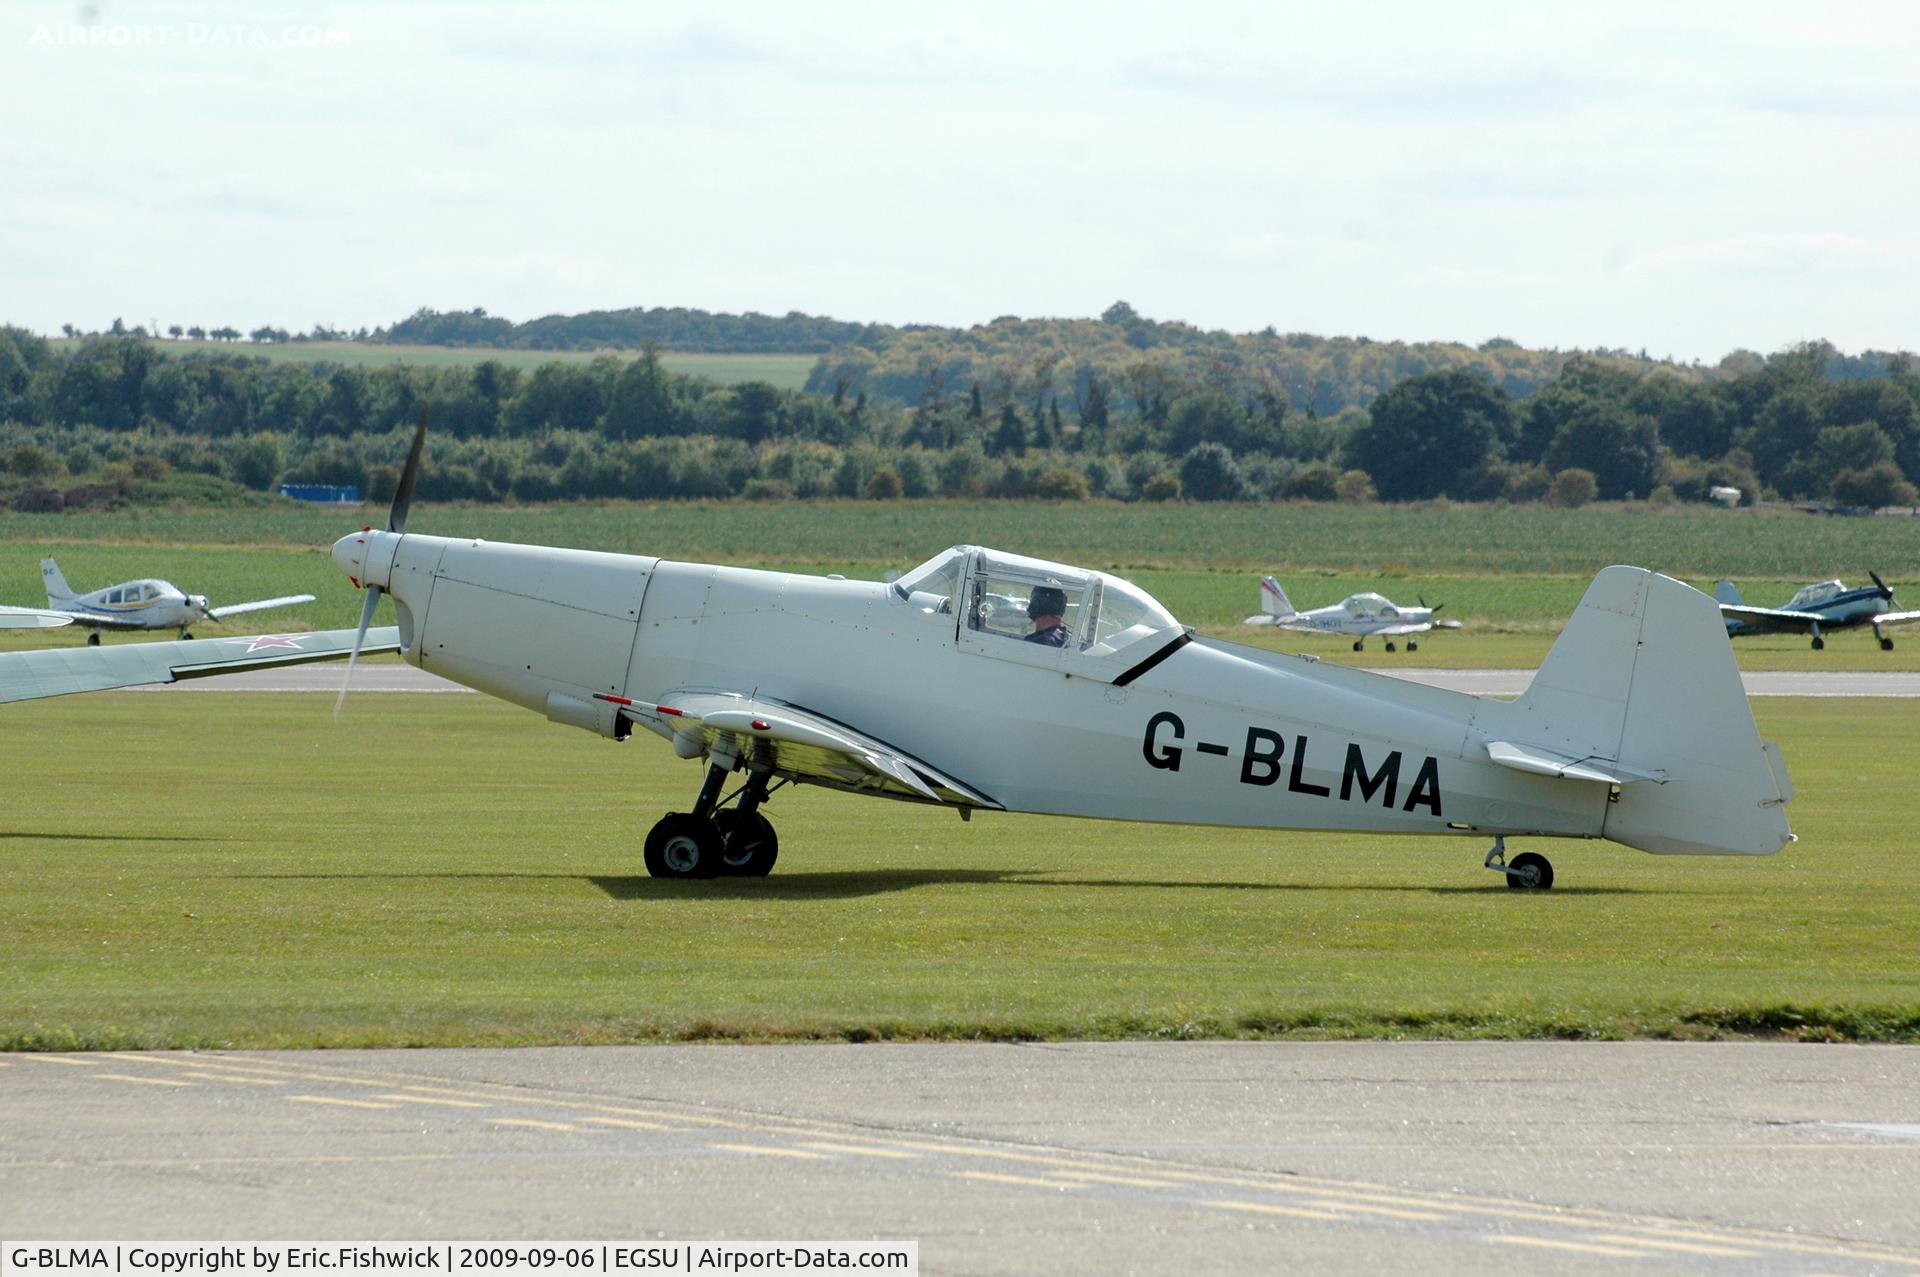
pixel 1165 757
pixel 1426 788
pixel 1294 782
pixel 1356 771
pixel 1260 765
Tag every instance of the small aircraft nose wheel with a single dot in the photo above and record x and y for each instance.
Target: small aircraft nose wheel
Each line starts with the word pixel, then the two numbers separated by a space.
pixel 683 845
pixel 1391 647
pixel 748 844
pixel 93 639
pixel 1356 645
pixel 1412 646
pixel 1528 871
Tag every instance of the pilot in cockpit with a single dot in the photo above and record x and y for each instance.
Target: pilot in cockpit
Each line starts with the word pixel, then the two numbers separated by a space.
pixel 1046 607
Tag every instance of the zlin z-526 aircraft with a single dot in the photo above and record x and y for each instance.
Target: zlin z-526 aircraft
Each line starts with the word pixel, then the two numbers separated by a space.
pixel 1816 609
pixel 934 689
pixel 143 605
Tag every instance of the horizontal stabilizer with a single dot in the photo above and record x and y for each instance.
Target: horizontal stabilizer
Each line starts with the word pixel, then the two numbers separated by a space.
pixel 1547 762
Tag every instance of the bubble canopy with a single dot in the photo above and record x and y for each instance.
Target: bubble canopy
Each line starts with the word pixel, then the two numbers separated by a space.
pixel 1104 613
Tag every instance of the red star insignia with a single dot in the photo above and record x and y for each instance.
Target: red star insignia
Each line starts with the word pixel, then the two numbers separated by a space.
pixel 276 640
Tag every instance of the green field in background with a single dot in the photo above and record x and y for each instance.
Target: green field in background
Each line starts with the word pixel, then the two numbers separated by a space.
pixel 789 372
pixel 240 870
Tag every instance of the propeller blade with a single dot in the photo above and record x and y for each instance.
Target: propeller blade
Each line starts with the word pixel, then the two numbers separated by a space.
pixel 403 494
pixel 1882 584
pixel 360 637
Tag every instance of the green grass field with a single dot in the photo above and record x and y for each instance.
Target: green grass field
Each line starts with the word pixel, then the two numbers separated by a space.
pixel 789 372
pixel 196 870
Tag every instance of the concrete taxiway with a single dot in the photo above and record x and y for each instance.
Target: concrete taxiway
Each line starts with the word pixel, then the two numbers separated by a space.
pixel 1086 1157
pixel 391 677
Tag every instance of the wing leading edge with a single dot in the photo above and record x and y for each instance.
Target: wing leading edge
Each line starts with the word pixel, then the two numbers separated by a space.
pixel 796 742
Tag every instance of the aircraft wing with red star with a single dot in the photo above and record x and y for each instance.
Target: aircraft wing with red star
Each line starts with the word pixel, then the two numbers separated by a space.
pixel 26 676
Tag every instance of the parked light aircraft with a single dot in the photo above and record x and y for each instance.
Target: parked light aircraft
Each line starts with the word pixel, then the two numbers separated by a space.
pixel 60 671
pixel 1815 609
pixel 1636 728
pixel 1359 615
pixel 143 605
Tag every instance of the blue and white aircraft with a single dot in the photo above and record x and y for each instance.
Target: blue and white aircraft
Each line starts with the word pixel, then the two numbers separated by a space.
pixel 143 605
pixel 1814 609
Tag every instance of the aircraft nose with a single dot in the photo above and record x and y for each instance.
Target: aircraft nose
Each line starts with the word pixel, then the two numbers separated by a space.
pixel 367 556
pixel 350 555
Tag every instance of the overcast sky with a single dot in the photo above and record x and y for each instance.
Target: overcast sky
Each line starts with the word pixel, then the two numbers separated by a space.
pixel 1688 178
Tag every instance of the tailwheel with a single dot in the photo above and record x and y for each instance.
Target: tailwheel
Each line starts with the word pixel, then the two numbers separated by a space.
pixel 1528 871
pixel 683 845
pixel 748 844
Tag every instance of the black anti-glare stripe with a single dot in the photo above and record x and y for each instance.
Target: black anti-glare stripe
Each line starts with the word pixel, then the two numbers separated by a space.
pixel 1153 660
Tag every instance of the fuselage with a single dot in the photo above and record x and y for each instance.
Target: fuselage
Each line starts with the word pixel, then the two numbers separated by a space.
pixel 147 605
pixel 1210 733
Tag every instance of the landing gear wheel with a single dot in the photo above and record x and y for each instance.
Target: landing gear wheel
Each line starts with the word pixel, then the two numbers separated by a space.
pixel 748 844
pixel 1819 644
pixel 93 639
pixel 1886 645
pixel 1390 646
pixel 185 635
pixel 1356 645
pixel 683 845
pixel 1412 646
pixel 1529 871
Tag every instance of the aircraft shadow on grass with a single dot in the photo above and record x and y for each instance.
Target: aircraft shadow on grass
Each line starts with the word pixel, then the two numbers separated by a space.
pixel 851 884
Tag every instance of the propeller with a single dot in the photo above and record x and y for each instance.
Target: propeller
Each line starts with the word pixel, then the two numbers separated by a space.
pixel 1423 603
pixel 1886 591
pixel 396 524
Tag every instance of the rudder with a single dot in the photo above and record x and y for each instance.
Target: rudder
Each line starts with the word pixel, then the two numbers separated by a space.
pixel 58 591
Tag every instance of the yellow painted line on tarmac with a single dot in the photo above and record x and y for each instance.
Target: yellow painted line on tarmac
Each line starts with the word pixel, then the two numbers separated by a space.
pixel 229 1077
pixel 527 1121
pixel 57 1059
pixel 1685 1248
pixel 144 1081
pixel 1130 1181
pixel 1029 1181
pixel 1391 1212
pixel 858 1150
pixel 397 1098
pixel 1583 1248
pixel 1006 1155
pixel 349 1104
pixel 1267 1208
pixel 626 1123
pixel 768 1150
pixel 201 1063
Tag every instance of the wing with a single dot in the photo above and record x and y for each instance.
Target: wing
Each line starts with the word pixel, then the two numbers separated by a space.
pixel 1409 627
pixel 1895 618
pixel 26 676
pixel 31 618
pixel 1773 618
pixel 258 605
pixel 803 745
pixel 103 620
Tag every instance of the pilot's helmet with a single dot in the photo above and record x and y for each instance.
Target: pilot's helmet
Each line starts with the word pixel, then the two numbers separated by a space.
pixel 1047 600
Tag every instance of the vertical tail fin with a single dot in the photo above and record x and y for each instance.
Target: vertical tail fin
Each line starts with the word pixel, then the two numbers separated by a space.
pixel 1273 599
pixel 1643 676
pixel 1727 592
pixel 58 591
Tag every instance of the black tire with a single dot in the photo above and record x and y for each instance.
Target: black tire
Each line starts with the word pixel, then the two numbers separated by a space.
pixel 1819 644
pixel 1412 646
pixel 1886 645
pixel 748 844
pixel 1390 646
pixel 682 845
pixel 1356 645
pixel 185 635
pixel 93 639
pixel 1530 871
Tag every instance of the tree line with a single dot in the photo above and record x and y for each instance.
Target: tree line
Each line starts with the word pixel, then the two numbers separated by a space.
pixel 1804 423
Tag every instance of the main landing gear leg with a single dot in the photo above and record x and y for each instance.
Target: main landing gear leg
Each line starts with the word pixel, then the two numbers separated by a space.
pixel 1886 644
pixel 1528 871
pixel 714 839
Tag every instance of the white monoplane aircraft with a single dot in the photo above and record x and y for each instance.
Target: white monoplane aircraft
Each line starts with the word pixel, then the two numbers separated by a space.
pixel 143 605
pixel 1636 728
pixel 1359 615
